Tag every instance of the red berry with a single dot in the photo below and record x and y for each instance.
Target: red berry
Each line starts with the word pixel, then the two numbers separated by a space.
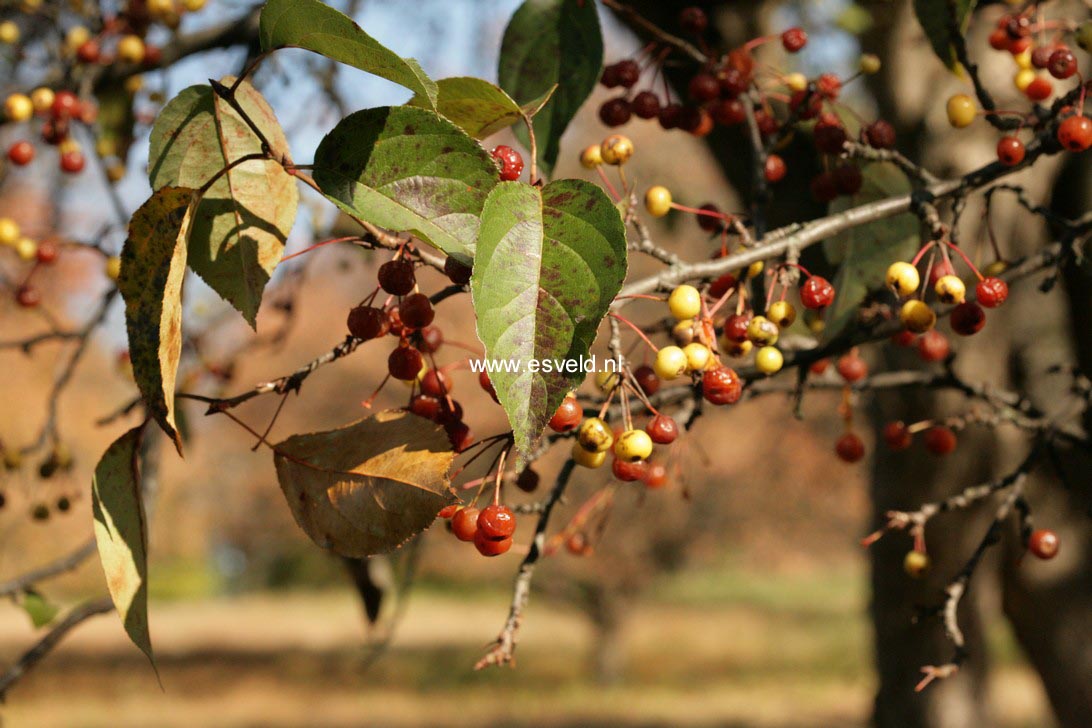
pixel 627 73
pixel 1017 26
pixel 722 285
pixel 940 440
pixel 733 83
pixel 416 311
pixel 693 20
pixel 662 429
pixel 735 328
pixel 850 447
pixel 510 161
pixel 991 292
pixel 1075 133
pixel 459 435
pixel 904 338
pixel 646 105
pixel 47 252
pixel 396 277
pixel 897 435
pixel 615 112
pixel 487 385
pixel 670 114
pixel 655 476
pixel 568 415
pixel 824 188
pixel 450 411
pixel 829 86
pixel 1062 63
pixel 704 87
pixel 968 318
pixel 448 511
pixel 848 179
pixel 458 273
pixel 436 383
pixel 405 363
pixel 852 368
pixel 647 379
pixel 28 296
pixel 65 105
pixel 1040 57
pixel 933 346
pixel 425 405
pixel 812 104
pixel 721 386
pixel 367 322
pixel 21 153
pixel 819 366
pixel 496 522
pixel 89 52
pixel 708 222
pixel 609 77
pixel 999 40
pixel 54 131
pixel 1043 543
pixel 767 123
pixel 629 472
pixel 941 268
pixel 775 168
pixel 880 134
pixel 1010 151
pixel 527 481
pixel 430 340
pixel 491 547
pixel 830 136
pixel 794 39
pixel 1039 89
pixel 72 162
pixel 817 292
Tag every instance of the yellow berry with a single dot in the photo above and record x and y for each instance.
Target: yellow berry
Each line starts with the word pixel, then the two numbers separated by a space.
pixel 762 331
pixel 9 231
pixel 917 317
pixel 134 84
pixel 193 5
pixel 26 248
pixel 781 313
pixel 1023 58
pixel 76 37
pixel 698 356
pixel 591 157
pixel 684 302
pixel 769 360
pixel 113 267
pixel 870 64
pixel 18 107
pixel 606 381
pixel 160 8
pixel 616 149
pixel 916 564
pixel 736 349
pixel 115 171
pixel 657 200
pixel 594 435
pixel 633 445
pixel 683 332
pixel 815 322
pixel 9 32
pixel 130 49
pixel 670 363
pixel 1023 78
pixel 903 278
pixel 588 459
pixel 752 271
pixel 42 100
pixel 995 268
pixel 961 110
pixel 69 145
pixel 950 289
pixel 796 82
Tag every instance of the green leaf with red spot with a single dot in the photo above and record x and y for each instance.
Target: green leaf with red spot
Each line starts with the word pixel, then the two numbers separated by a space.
pixel 409 170
pixel 153 267
pixel 548 43
pixel 549 262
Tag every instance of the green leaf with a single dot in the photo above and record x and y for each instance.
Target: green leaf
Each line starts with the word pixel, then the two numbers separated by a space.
pixel 40 610
pixel 866 251
pixel 478 107
pixel 550 42
pixel 368 487
pixel 935 19
pixel 120 532
pixel 317 27
pixel 114 125
pixel 409 170
pixel 153 267
pixel 241 224
pixel 548 265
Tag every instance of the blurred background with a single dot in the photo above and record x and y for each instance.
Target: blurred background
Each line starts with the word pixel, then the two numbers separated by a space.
pixel 736 595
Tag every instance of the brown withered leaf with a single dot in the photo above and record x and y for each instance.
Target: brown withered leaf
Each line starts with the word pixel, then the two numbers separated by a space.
pixel 368 487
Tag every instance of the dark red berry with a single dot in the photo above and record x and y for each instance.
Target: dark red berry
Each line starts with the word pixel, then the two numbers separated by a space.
pixel 1018 26
pixel 940 440
pixel 21 153
pixel 627 72
pixel 824 188
pixel 464 524
pixel 47 252
pixel 72 162
pixel 848 179
pixel 89 52
pixel 670 115
pixel 646 105
pixel 774 169
pixel 933 346
pixel 904 338
pixel 1062 63
pixel 405 363
pixel 487 385
pixel 852 368
pixel 794 39
pixel 456 272
pixel 459 435
pixel 897 435
pixel 662 429
pixel 709 223
pixel 27 296
pixel 816 293
pixel 430 340
pixel 628 472
pixel 880 134
pixel 850 447
pixel 693 20
pixel 1040 57
pixel 396 277
pixel 615 112
pixel 805 104
pixel 425 405
pixel 527 480
pixel 367 322
pixel 1043 543
pixel 722 285
pixel 991 292
pixel 647 379
pixel 733 83
pixel 729 112
pixel 704 87
pixel 509 161
pixel 1010 151
pixel 436 383
pixel 830 136
pixel 767 123
pixel 721 386
pixel 416 311
pixel 968 318
pixel 568 415
pixel 496 522
pixel 394 322
pixel 609 77
pixel 65 105
pixel 735 327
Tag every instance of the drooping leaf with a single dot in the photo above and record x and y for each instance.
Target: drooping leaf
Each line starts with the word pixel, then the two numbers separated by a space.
pixel 477 107
pixel 121 535
pixel 40 610
pixel 368 487
pixel 408 169
pixel 550 42
pixel 317 27
pixel 864 252
pixel 935 18
pixel 549 262
pixel 153 267
pixel 241 224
